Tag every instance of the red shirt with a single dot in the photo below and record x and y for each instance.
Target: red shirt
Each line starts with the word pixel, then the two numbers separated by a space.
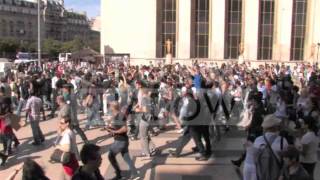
pixel 71 167
pixel 4 129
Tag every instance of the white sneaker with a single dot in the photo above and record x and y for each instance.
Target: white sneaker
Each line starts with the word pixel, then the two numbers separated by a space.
pixel 180 131
pixel 135 177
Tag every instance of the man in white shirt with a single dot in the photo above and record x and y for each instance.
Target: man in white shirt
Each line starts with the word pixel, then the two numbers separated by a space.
pixel 271 126
pixel 54 81
pixel 278 144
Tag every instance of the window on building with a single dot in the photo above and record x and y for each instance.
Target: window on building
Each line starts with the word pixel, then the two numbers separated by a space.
pixel 11 28
pixel 20 28
pixel 4 27
pixel 166 26
pixel 30 29
pixel 298 29
pixel 266 23
pixel 200 28
pixel 233 28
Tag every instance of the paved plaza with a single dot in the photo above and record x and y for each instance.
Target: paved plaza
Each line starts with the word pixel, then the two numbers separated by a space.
pixel 161 167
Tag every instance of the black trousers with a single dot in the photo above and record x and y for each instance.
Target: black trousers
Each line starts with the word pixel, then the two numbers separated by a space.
pixel 309 167
pixel 183 140
pixel 80 132
pixel 54 104
pixel 198 132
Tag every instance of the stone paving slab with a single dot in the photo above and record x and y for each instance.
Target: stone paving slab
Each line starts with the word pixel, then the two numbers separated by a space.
pixel 158 168
pixel 193 172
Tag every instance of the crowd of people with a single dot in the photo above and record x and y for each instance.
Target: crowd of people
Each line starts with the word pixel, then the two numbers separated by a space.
pixel 277 106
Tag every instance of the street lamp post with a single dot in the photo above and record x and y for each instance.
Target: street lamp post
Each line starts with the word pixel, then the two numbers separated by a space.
pixel 39 33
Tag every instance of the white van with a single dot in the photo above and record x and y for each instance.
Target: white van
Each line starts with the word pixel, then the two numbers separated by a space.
pixel 5 64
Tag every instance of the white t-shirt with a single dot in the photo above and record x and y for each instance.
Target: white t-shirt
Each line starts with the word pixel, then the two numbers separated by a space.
pixel 54 82
pixel 68 137
pixel 312 141
pixel 184 108
pixel 73 82
pixel 260 143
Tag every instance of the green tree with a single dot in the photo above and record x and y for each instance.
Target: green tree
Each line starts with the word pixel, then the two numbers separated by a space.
pixel 94 44
pixel 51 47
pixel 8 47
pixel 74 45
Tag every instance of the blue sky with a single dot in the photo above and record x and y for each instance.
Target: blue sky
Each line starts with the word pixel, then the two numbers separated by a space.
pixel 92 7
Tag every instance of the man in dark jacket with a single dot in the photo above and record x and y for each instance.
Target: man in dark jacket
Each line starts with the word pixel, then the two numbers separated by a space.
pixel 46 90
pixel 91 158
pixel 23 94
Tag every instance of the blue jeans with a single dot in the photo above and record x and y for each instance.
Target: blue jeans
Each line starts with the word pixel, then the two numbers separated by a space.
pixel 14 101
pixel 94 118
pixel 121 147
pixel 146 144
pixel 46 101
pixel 21 104
pixel 6 141
pixel 36 131
pixel 134 124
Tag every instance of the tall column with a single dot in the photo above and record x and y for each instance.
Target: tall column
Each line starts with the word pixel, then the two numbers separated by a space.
pixel 217 19
pixel 310 46
pixel 316 29
pixel 251 27
pixel 283 29
pixel 183 29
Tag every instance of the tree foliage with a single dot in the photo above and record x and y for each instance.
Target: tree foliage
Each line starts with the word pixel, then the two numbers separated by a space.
pixel 73 45
pixel 49 46
pixel 9 45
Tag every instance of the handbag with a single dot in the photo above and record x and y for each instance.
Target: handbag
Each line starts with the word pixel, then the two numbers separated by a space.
pixel 59 156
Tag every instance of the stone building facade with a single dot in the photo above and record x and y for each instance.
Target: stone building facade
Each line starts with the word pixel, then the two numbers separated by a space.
pixel 252 30
pixel 18 20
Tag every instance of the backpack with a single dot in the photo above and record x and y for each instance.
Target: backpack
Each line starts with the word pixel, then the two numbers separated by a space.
pixel 268 166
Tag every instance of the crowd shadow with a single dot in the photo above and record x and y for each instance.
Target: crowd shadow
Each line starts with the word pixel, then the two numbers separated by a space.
pixel 101 139
pixel 25 149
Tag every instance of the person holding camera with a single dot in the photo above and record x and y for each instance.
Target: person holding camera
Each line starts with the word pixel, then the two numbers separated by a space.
pixel 118 129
